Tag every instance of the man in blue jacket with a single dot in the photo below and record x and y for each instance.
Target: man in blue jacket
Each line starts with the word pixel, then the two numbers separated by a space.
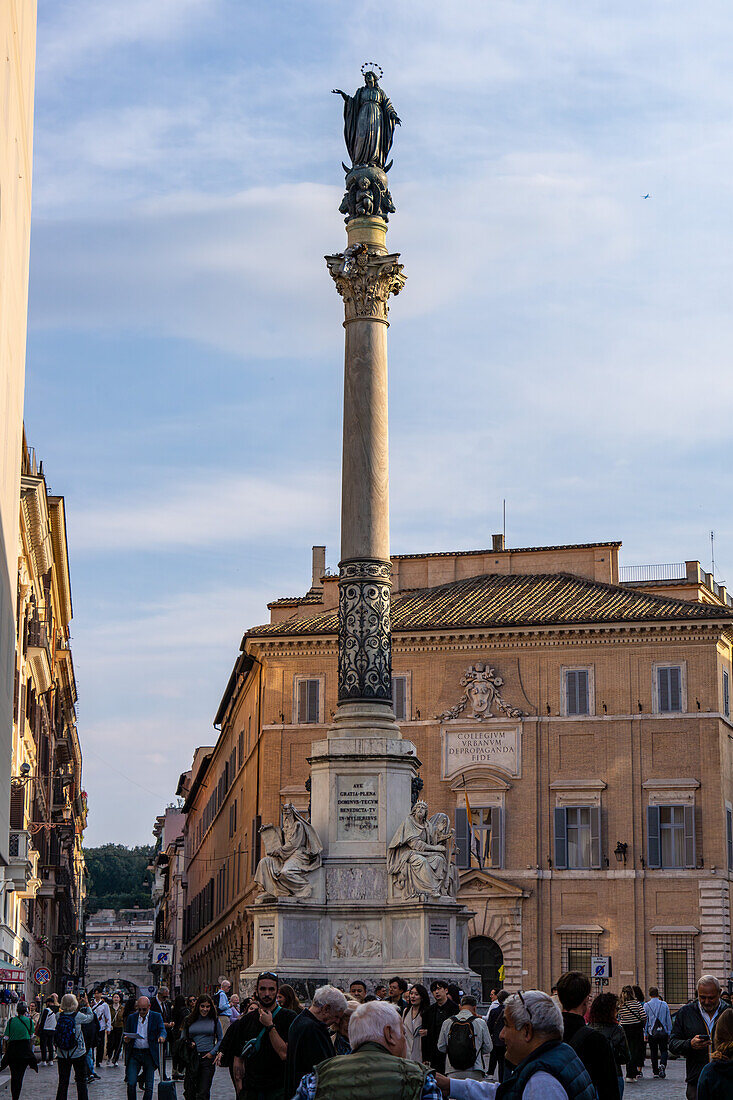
pixel 144 1032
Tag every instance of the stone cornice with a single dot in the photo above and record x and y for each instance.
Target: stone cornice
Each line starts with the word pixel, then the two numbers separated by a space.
pixel 533 637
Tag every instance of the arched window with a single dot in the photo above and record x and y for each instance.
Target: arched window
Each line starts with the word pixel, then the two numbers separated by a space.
pixel 485 957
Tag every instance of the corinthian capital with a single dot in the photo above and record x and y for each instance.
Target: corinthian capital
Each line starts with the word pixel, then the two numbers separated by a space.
pixel 365 279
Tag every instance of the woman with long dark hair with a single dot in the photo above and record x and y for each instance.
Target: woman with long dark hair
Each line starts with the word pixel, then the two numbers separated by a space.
pixel 603 1018
pixel 288 998
pixel 418 1000
pixel 632 1018
pixel 200 1038
pixel 19 1050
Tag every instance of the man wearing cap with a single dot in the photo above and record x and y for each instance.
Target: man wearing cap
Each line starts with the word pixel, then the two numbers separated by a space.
pixel 259 1040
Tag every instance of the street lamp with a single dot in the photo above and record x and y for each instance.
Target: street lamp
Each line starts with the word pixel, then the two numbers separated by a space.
pixel 620 852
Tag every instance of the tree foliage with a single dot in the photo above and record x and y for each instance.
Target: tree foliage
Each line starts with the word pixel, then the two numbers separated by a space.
pixel 118 877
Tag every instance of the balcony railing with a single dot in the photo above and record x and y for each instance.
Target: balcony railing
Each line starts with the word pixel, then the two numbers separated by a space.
pixel 638 574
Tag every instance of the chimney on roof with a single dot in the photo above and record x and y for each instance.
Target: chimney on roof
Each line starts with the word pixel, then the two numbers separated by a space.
pixel 497 543
pixel 319 567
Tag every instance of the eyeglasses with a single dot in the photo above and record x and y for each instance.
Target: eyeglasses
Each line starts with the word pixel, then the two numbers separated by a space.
pixel 268 974
pixel 525 1006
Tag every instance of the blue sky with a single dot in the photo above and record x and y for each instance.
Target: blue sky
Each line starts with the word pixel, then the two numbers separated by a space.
pixel 561 342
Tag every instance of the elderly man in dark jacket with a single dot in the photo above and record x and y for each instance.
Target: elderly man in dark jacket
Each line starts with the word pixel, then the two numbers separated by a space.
pixel 694 1029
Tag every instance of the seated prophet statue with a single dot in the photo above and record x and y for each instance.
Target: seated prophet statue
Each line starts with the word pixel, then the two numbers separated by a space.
pixel 292 854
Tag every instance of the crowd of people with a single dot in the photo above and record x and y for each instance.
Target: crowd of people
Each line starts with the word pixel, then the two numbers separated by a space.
pixel 397 1042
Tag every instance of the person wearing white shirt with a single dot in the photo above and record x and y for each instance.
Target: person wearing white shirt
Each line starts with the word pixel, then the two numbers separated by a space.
pixel 546 1068
pixel 100 1008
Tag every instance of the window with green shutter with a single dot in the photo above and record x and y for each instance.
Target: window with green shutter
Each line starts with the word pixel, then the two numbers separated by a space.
pixel 577 837
pixel 308 701
pixel 671 836
pixel 669 689
pixel 577 694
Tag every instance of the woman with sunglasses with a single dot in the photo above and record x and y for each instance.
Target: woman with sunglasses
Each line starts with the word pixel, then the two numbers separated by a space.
pixel 200 1038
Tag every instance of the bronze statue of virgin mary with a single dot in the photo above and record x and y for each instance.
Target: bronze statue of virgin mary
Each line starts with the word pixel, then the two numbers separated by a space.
pixel 369 122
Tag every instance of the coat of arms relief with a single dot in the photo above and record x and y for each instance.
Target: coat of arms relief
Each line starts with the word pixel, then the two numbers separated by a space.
pixel 481 697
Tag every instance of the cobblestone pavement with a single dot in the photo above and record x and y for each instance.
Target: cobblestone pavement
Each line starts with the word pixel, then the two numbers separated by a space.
pixel 112 1085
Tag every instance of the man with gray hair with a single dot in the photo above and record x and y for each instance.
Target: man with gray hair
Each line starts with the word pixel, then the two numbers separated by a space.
pixel 693 1030
pixel 545 1067
pixel 309 1040
pixel 376 1068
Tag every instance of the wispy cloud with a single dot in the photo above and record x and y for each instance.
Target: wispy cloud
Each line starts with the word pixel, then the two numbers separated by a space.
pixel 207 511
pixel 80 27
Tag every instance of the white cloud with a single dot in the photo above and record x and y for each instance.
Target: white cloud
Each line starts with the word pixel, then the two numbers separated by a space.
pixel 83 27
pixel 207 511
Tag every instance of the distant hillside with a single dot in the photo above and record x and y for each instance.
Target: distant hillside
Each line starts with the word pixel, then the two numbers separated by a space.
pixel 118 877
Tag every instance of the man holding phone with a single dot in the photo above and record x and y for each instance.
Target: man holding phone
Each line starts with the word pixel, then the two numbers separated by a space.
pixel 256 1045
pixel 144 1033
pixel 694 1029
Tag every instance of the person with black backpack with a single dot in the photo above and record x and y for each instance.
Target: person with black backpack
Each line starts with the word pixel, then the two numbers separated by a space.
pixel 71 1050
pixel 466 1042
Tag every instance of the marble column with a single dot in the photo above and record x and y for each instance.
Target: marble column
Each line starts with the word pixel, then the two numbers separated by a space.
pixel 366 276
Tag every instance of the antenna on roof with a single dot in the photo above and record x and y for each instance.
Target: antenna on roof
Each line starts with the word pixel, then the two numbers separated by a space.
pixel 712 552
pixel 504 525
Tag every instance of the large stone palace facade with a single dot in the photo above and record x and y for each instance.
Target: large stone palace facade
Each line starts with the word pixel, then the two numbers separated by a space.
pixel 576 728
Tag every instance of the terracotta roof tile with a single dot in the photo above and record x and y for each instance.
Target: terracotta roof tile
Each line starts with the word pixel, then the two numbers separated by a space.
pixel 498 600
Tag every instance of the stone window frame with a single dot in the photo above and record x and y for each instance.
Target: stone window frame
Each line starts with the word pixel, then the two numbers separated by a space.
pixel 681 664
pixel 406 675
pixel 671 792
pixel 298 678
pixel 579 794
pixel 591 670
pixel 729 835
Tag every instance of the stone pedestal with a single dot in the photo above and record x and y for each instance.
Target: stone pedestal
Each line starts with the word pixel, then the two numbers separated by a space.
pixel 353 925
pixel 309 944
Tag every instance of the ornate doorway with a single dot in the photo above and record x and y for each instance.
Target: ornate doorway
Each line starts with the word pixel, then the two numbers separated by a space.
pixel 486 958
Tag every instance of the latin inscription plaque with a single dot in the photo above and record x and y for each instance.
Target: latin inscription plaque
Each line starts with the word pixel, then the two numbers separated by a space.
pixel 493 746
pixel 439 939
pixel 357 807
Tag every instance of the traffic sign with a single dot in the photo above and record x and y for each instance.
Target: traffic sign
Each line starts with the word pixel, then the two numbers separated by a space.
pixel 42 975
pixel 600 967
pixel 163 954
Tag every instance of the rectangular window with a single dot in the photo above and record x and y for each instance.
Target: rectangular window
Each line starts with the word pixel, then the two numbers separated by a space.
pixel 579 959
pixel 399 697
pixel 669 689
pixel 480 844
pixel 674 969
pixel 726 694
pixel 240 747
pixel 577 837
pixel 308 700
pixel 671 836
pixel 577 695
pixel 729 835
